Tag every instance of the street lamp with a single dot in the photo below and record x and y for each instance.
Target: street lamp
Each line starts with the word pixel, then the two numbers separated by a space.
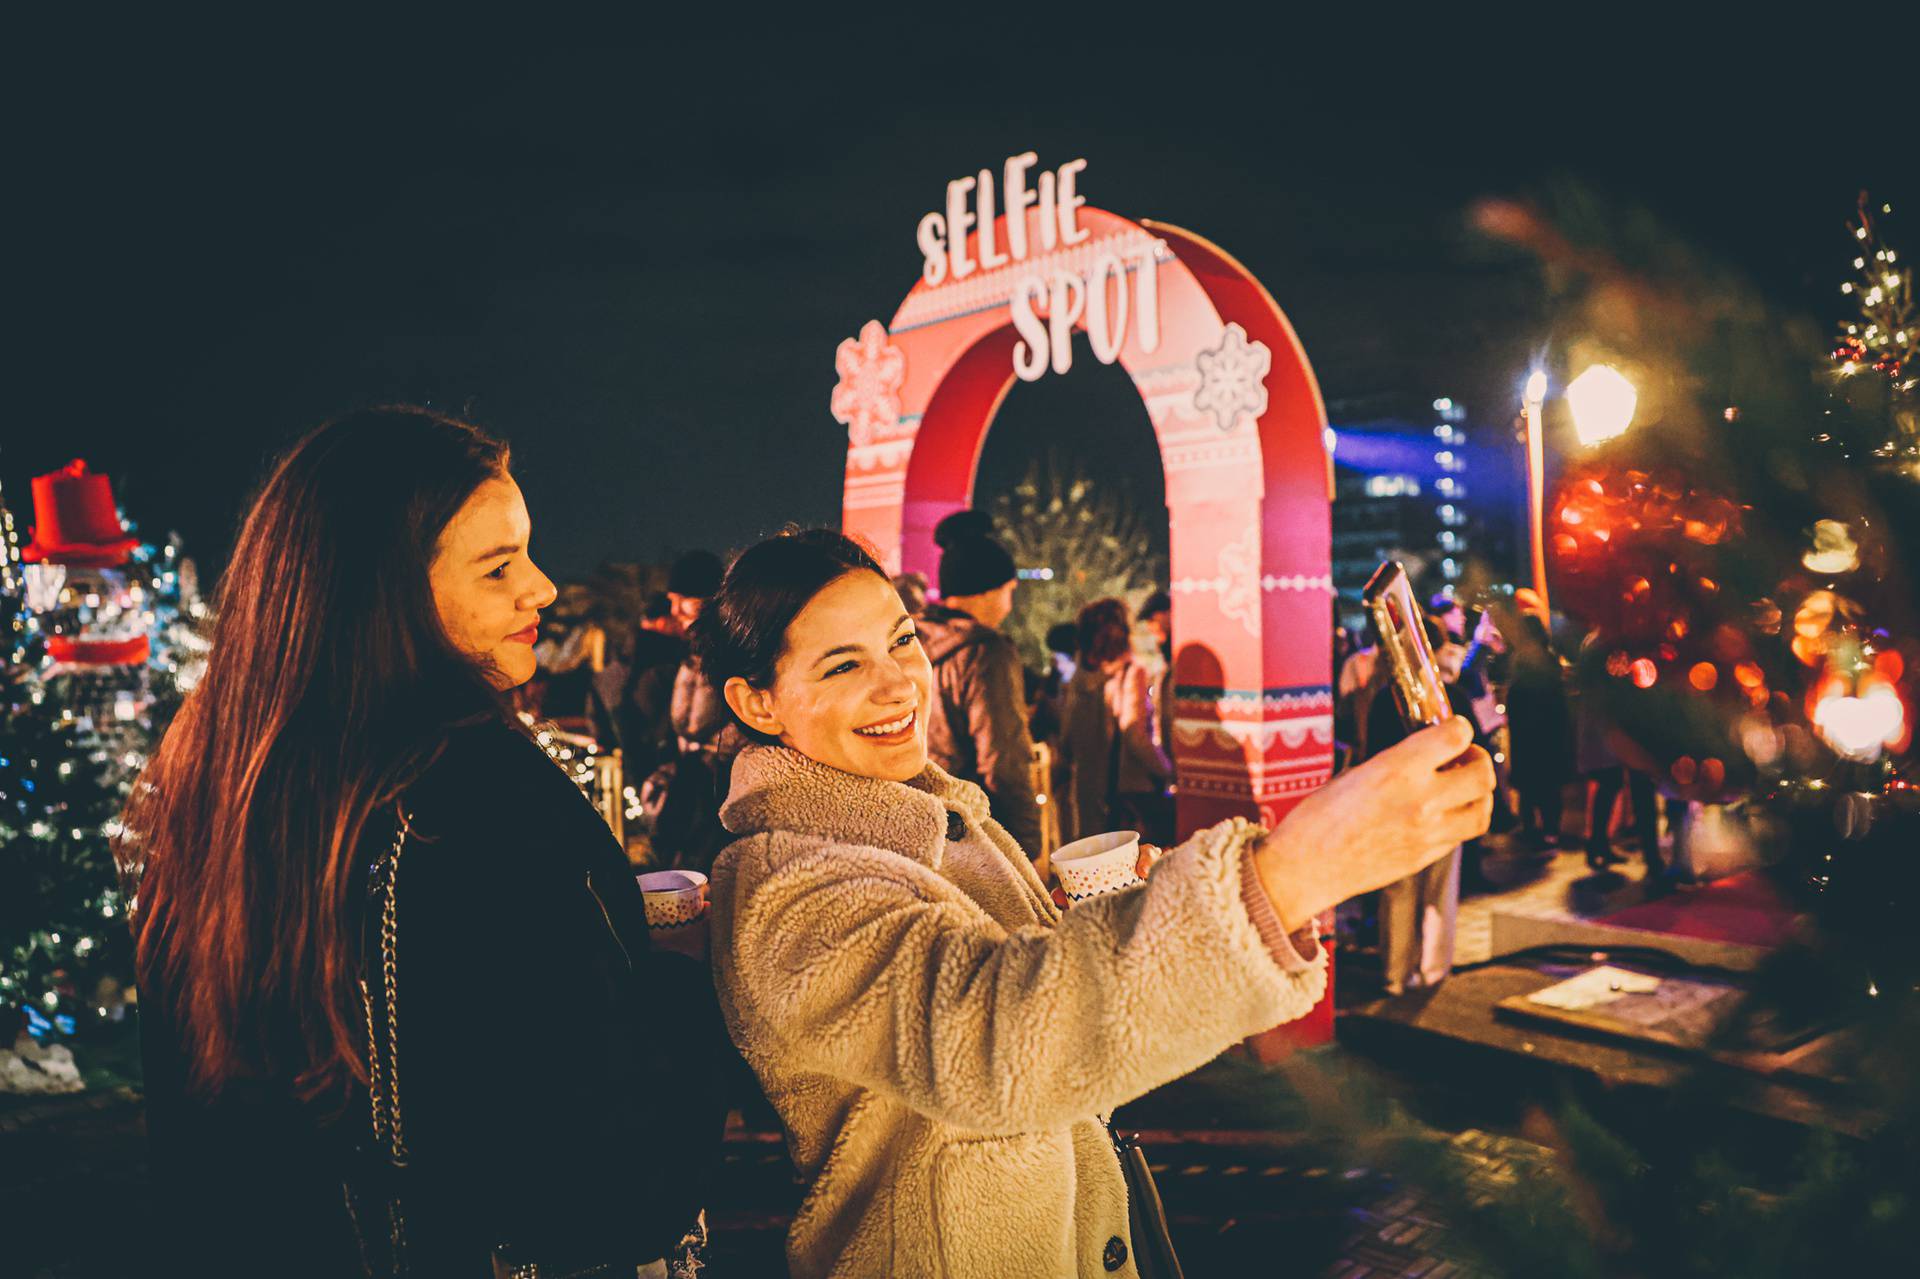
pixel 1535 396
pixel 1602 401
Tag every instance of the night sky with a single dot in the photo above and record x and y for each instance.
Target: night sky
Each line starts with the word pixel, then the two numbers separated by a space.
pixel 634 259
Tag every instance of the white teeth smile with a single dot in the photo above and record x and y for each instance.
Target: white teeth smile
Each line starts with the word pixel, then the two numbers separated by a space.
pixel 900 725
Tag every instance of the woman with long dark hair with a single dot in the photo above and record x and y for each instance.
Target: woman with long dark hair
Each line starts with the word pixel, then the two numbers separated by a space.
pixel 399 1006
pixel 939 1039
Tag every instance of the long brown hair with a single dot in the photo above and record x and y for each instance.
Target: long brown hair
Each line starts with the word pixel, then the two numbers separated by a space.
pixel 331 685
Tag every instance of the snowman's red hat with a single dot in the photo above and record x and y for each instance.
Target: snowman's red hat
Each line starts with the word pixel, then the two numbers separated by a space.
pixel 75 520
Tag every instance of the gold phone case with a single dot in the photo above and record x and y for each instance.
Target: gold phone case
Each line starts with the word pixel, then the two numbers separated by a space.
pixel 1403 642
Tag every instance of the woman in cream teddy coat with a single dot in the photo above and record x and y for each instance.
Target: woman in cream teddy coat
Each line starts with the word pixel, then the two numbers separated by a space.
pixel 941 1043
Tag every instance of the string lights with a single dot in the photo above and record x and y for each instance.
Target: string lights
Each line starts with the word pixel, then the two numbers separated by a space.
pixel 1885 334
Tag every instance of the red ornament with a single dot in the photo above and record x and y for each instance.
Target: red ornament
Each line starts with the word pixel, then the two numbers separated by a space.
pixel 75 521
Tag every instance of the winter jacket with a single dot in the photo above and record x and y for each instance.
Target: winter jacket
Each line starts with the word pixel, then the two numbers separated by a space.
pixel 560 1077
pixel 980 734
pixel 700 715
pixel 940 1041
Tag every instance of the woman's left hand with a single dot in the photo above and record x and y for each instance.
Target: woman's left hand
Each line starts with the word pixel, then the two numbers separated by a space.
pixel 1149 854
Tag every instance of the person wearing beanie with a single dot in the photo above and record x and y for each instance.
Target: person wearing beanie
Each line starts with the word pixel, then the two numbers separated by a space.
pixel 687 831
pixel 691 582
pixel 979 731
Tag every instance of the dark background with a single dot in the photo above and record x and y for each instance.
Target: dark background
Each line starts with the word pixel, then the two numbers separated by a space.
pixel 634 255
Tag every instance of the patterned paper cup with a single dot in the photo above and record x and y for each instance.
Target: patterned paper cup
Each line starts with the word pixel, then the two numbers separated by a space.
pixel 1098 864
pixel 675 898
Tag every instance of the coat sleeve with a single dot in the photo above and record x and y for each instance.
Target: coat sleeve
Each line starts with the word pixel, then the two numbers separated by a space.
pixel 997 721
pixel 858 964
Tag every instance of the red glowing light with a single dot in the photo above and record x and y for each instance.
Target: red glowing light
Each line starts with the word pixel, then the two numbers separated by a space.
pixel 1890 666
pixel 1684 770
pixel 1703 676
pixel 1645 673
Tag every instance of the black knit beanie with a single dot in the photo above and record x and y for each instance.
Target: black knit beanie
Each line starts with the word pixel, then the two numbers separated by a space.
pixel 971 563
pixel 696 575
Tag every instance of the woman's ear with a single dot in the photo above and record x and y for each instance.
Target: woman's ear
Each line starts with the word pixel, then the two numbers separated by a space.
pixel 753 705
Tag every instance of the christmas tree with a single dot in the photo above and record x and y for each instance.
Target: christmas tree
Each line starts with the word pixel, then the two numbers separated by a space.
pixel 104 639
pixel 1074 543
pixel 65 952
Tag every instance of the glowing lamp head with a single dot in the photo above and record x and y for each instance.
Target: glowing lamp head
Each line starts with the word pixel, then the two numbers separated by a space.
pixel 1861 726
pixel 1602 401
pixel 1536 387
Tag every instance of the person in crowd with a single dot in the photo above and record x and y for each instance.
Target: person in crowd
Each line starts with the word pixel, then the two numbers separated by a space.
pixel 656 615
pixel 645 702
pixel 345 1064
pixel 1466 667
pixel 1354 687
pixel 1418 912
pixel 978 730
pixel 686 824
pixel 939 1039
pixel 1643 808
pixel 1156 616
pixel 1109 774
pixel 1539 726
pixel 572 649
pixel 1063 640
pixel 1063 647
pixel 1606 775
pixel 691 579
pixel 913 588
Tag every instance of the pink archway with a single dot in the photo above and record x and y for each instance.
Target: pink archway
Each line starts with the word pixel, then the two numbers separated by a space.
pixel 1242 435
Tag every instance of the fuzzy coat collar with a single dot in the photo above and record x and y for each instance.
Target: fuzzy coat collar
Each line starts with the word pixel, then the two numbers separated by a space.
pixel 778 788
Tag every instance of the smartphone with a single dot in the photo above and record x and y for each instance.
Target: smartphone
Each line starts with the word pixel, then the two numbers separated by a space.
pixel 1403 643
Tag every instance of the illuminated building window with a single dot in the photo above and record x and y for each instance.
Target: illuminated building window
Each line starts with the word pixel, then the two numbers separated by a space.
pixel 1393 486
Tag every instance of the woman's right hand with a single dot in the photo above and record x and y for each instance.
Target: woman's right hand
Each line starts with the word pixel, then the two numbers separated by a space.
pixel 1378 823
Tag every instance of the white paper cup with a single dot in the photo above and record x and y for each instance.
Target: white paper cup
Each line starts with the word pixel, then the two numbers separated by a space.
pixel 1098 864
pixel 675 898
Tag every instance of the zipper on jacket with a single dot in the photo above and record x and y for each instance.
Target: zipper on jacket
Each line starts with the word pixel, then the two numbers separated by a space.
pixel 614 932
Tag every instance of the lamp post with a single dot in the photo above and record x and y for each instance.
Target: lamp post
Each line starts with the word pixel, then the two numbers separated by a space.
pixel 1535 396
pixel 1602 401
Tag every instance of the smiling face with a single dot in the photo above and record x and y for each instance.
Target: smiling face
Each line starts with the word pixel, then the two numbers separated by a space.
pixel 852 688
pixel 485 587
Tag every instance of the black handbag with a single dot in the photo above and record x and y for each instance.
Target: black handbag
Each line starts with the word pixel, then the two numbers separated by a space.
pixel 1153 1254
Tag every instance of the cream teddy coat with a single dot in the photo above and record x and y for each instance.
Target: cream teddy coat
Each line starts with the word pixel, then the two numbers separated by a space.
pixel 941 1042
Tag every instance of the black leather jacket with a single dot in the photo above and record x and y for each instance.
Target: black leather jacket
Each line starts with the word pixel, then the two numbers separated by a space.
pixel 559 1078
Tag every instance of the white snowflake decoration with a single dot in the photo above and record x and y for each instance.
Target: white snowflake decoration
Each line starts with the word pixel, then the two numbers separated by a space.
pixel 867 399
pixel 1233 378
pixel 1239 577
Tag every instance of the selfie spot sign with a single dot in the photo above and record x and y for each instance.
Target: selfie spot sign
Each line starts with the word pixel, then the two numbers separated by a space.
pixel 1014 262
